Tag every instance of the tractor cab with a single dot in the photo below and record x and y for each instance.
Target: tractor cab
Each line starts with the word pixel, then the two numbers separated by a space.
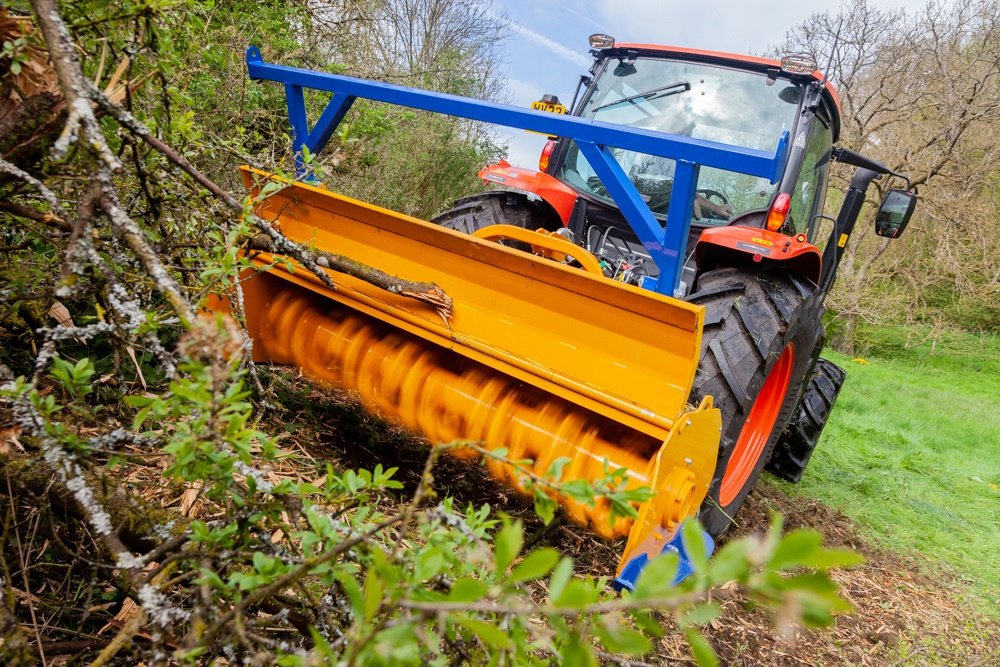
pixel 735 100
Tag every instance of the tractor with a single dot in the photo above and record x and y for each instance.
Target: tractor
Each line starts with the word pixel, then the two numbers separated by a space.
pixel 649 301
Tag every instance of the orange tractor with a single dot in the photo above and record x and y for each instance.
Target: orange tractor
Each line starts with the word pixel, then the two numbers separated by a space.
pixel 646 306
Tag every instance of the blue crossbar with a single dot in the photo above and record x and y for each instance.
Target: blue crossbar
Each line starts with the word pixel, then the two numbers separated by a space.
pixel 595 138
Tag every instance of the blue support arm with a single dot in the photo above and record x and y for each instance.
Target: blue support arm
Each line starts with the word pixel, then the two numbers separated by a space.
pixel 595 138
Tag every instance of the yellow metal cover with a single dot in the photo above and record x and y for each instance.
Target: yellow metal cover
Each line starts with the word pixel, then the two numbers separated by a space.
pixel 623 352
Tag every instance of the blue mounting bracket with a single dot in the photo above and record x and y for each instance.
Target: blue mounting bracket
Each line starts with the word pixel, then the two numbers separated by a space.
pixel 666 244
pixel 629 575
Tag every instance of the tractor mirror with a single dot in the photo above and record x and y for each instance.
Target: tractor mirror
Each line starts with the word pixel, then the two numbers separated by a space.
pixel 894 213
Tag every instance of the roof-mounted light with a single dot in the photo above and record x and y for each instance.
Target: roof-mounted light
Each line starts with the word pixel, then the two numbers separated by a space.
pixel 798 63
pixel 601 41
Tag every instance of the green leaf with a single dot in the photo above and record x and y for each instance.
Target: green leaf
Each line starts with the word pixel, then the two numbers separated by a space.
pixel 804 548
pixel 429 563
pixel 577 654
pixel 622 640
pixel 579 490
pixel 813 582
pixel 373 594
pixel 508 542
pixel 193 653
pixel 262 562
pixel 467 590
pixel 211 578
pixel 694 544
pixel 560 577
pixel 657 579
pixel 137 401
pixel 555 470
pixel 824 559
pixel 730 563
pixel 490 634
pixel 701 614
pixel 576 595
pixel 773 538
pixel 536 564
pixel 819 610
pixel 702 651
pixel 793 547
pixel 545 506
pixel 352 589
pixel 621 508
pixel 645 620
pixel 322 646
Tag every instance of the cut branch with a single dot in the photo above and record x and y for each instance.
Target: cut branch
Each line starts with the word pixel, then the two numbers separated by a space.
pixel 426 292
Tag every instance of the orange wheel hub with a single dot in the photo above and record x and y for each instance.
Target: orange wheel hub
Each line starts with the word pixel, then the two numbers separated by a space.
pixel 758 427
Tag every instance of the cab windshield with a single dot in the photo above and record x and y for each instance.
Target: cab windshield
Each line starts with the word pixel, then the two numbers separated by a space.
pixel 696 100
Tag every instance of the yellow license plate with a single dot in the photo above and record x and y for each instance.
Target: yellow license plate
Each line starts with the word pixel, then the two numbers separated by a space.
pixel 542 105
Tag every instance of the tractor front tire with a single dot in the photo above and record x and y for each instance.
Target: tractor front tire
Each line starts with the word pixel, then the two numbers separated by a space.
pixel 759 334
pixel 798 442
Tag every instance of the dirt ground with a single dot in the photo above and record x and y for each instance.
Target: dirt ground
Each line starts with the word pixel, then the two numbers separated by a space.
pixel 903 616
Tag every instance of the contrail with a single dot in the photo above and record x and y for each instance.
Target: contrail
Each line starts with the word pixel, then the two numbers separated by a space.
pixel 555 47
pixel 567 8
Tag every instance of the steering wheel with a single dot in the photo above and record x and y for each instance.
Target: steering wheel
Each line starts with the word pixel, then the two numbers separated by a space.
pixel 709 194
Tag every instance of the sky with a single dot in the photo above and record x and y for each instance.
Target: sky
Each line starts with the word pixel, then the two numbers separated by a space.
pixel 547 50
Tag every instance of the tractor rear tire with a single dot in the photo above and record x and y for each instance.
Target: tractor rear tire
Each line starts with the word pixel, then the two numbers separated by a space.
pixel 472 213
pixel 760 331
pixel 797 443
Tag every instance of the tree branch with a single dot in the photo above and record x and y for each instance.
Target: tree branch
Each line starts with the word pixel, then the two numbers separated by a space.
pixel 273 240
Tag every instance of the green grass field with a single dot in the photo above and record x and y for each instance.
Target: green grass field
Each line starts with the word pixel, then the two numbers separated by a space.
pixel 912 452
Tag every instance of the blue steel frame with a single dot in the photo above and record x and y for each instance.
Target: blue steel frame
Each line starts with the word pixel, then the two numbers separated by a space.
pixel 666 245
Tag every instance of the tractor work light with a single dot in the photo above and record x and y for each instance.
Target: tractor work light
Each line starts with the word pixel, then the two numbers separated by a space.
pixel 778 212
pixel 798 63
pixel 601 41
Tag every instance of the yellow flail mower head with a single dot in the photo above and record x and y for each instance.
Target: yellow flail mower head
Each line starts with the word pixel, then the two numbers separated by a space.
pixel 532 357
pixel 536 353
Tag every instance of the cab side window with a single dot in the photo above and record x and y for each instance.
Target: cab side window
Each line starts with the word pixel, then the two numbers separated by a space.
pixel 809 193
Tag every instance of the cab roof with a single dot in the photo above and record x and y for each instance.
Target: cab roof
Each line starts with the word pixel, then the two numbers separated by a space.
pixel 756 63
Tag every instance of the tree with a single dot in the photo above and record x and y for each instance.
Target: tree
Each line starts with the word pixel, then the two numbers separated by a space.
pixel 920 92
pixel 414 162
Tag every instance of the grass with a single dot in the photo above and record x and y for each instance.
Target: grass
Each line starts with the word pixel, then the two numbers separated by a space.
pixel 912 452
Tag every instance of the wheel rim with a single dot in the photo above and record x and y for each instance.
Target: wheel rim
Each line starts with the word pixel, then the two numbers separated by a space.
pixel 758 427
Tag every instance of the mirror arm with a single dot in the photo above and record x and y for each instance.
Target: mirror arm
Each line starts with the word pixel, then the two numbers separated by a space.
pixel 855 159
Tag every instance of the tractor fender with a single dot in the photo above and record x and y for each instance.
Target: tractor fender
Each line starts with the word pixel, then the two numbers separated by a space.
pixel 735 246
pixel 554 192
